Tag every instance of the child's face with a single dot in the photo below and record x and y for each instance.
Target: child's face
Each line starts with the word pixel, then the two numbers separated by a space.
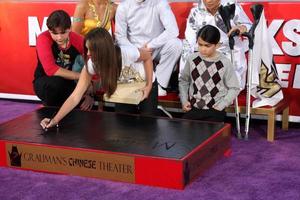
pixel 60 37
pixel 206 49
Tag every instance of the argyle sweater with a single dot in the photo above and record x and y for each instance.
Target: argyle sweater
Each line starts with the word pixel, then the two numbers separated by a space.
pixel 208 82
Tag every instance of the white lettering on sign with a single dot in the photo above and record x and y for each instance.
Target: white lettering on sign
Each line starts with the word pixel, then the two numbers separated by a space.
pixel 296 83
pixel 34 29
pixel 273 30
pixel 283 74
pixel 290 31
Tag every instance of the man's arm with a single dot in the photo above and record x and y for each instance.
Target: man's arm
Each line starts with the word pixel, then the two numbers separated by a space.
pixel 169 22
pixel 67 74
pixel 44 51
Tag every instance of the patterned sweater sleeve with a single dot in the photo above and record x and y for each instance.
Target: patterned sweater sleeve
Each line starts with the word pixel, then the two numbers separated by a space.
pixel 231 83
pixel 184 83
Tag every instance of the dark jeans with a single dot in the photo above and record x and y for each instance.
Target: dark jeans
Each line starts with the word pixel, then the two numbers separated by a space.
pixel 146 107
pixel 205 115
pixel 53 90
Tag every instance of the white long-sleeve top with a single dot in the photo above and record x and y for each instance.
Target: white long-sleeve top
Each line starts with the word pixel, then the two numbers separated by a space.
pixel 151 22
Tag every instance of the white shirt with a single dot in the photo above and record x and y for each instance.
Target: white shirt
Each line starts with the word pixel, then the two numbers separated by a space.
pixel 139 67
pixel 151 22
pixel 90 67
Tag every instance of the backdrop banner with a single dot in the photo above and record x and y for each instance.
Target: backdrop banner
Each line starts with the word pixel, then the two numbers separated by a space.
pixel 22 21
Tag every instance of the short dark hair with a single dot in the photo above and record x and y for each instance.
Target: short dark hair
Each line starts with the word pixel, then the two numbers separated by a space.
pixel 210 34
pixel 59 19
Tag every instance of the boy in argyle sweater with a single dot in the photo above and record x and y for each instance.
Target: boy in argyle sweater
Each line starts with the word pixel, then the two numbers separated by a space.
pixel 208 83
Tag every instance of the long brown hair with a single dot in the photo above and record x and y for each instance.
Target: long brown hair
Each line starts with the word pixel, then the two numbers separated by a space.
pixel 104 57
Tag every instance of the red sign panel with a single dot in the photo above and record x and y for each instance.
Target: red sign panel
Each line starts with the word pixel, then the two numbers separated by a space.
pixel 22 22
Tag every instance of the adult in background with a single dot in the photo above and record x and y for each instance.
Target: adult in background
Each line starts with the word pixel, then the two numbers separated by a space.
pixel 206 12
pixel 90 14
pixel 146 27
pixel 57 49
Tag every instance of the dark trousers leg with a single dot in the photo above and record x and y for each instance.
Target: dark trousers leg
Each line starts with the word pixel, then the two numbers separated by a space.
pixel 149 105
pixel 205 115
pixel 53 90
pixel 146 107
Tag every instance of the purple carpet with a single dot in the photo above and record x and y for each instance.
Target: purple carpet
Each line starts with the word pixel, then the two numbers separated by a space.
pixel 257 170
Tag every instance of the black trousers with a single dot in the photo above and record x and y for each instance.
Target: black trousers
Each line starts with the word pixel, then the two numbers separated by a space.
pixel 146 107
pixel 53 90
pixel 205 115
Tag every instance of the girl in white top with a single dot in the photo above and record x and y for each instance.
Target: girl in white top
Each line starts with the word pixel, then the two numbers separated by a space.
pixel 103 61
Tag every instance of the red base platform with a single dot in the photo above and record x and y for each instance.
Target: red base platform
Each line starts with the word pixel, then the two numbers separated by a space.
pixel 143 150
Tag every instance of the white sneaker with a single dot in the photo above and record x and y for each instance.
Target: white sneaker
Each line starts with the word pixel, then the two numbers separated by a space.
pixel 161 91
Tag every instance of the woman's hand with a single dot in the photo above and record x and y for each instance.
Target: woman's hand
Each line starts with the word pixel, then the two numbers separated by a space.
pixel 146 91
pixel 48 123
pixel 87 103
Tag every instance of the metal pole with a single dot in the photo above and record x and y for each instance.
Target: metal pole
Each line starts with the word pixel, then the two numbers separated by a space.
pixel 227 13
pixel 256 10
pixel 237 118
pixel 248 95
pixel 236 103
